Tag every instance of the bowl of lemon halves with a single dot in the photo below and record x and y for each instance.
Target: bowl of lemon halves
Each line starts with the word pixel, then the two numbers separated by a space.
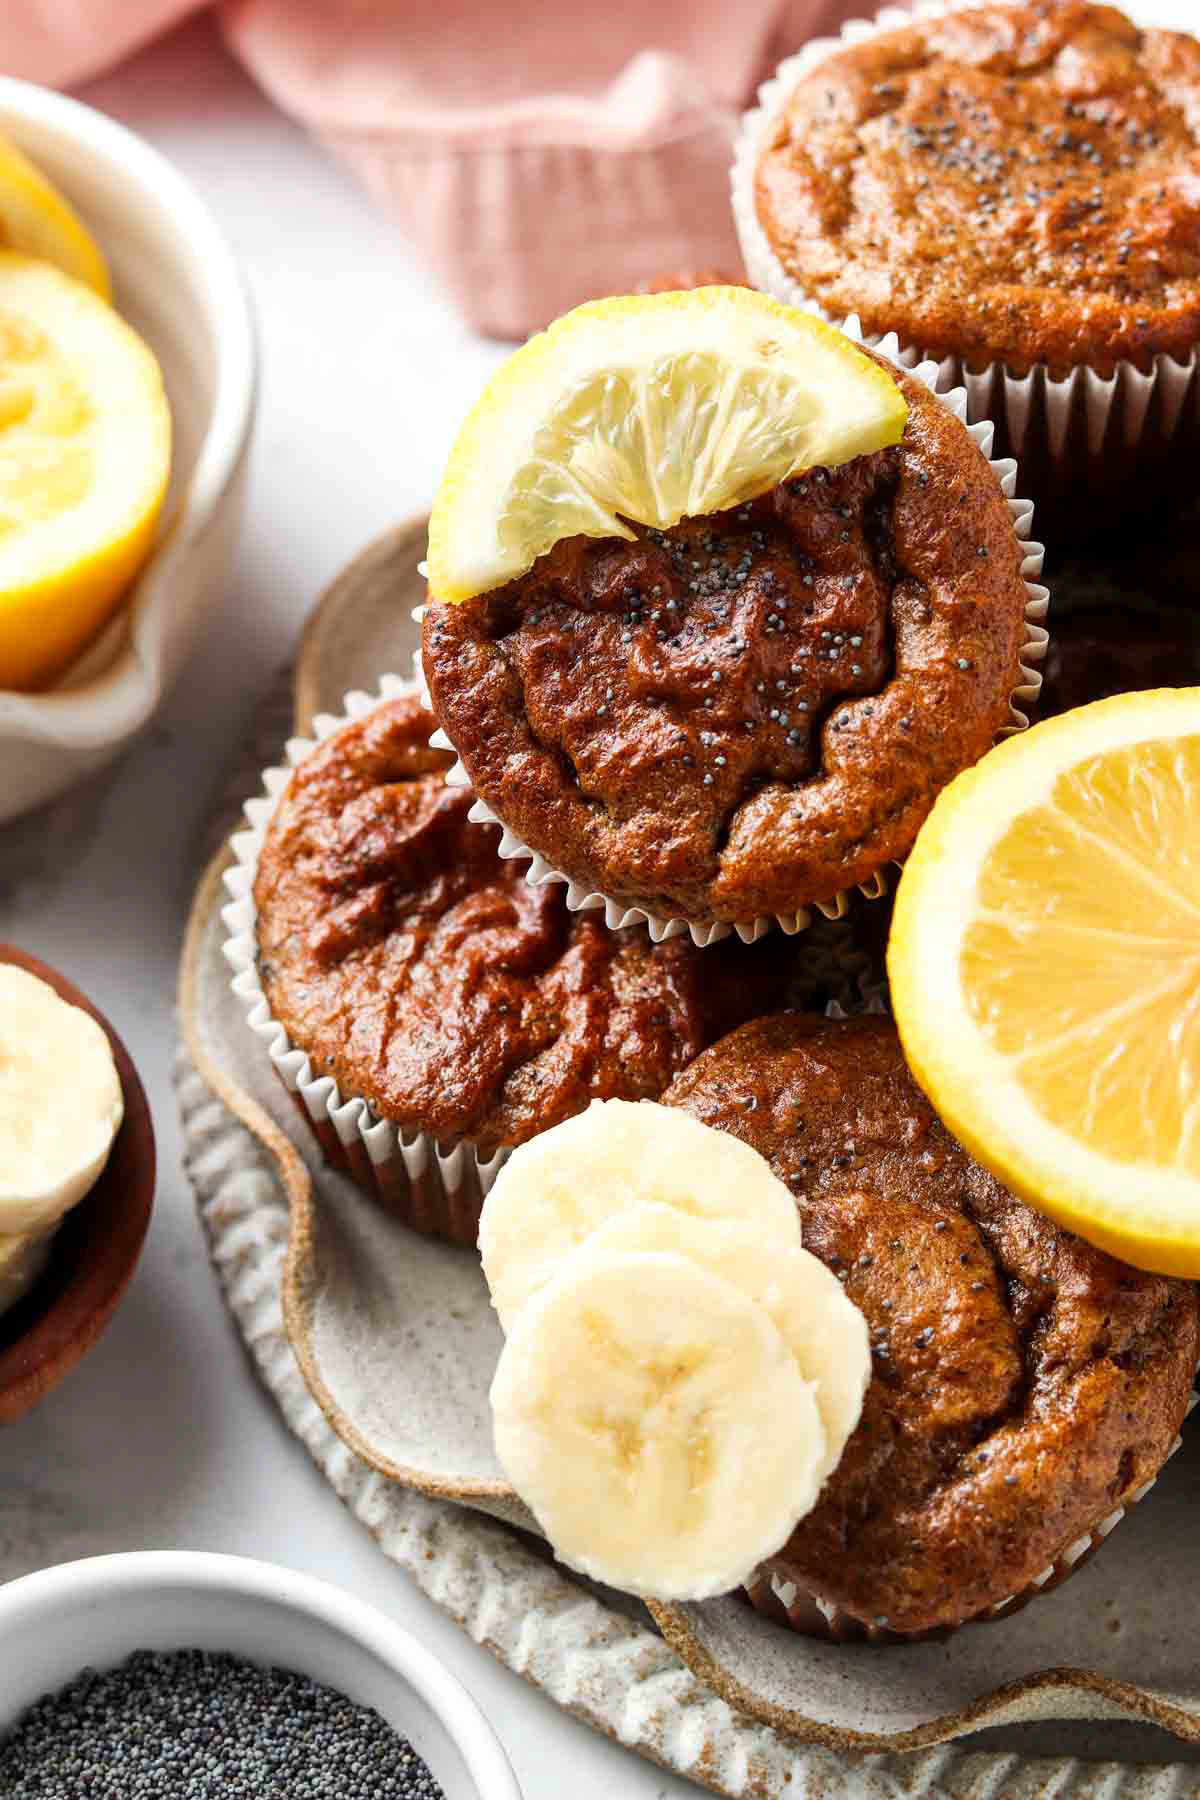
pixel 127 387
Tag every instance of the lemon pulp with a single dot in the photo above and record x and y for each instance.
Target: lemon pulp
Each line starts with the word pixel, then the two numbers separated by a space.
pixel 1083 964
pixel 45 458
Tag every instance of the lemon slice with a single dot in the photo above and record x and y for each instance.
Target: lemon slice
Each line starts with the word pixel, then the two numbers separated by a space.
pixel 1045 970
pixel 37 221
pixel 652 409
pixel 85 444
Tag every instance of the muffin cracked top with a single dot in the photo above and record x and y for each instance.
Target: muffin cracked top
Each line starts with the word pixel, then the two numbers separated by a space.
pixel 749 712
pixel 430 979
pixel 1016 182
pixel 1024 1383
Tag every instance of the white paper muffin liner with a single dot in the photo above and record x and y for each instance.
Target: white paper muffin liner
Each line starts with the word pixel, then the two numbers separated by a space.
pixel 1061 423
pixel 788 1603
pixel 618 915
pixel 435 1190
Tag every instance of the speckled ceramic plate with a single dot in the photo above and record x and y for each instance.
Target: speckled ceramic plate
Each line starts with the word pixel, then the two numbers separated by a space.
pixel 384 1369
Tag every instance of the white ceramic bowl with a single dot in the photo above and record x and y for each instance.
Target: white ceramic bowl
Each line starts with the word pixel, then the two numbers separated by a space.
pixel 97 1612
pixel 176 281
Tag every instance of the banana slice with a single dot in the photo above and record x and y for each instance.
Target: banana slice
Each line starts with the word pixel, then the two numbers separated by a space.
pixel 656 1424
pixel 825 1332
pixel 60 1102
pixel 555 1190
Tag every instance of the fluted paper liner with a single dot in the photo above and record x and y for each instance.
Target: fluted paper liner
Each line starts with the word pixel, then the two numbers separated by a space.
pixel 617 915
pixel 434 1190
pixel 1047 418
pixel 790 1604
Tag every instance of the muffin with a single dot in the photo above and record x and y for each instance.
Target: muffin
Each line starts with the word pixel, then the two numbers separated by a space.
pixel 401 964
pixel 1014 189
pixel 1026 1387
pixel 748 714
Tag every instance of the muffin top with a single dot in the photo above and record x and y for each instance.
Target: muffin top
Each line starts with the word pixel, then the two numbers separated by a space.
pixel 1017 182
pixel 750 711
pixel 1024 1383
pixel 428 977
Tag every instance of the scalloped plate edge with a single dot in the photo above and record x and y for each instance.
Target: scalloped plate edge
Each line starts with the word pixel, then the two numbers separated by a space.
pixel 1101 1695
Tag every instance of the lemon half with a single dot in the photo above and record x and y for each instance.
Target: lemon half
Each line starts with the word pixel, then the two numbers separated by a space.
pixel 1045 970
pixel 36 221
pixel 651 409
pixel 85 448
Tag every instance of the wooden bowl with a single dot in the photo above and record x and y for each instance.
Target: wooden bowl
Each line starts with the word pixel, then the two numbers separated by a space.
pixel 95 1251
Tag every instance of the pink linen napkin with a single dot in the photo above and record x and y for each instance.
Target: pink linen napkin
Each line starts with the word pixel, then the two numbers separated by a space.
pixel 538 157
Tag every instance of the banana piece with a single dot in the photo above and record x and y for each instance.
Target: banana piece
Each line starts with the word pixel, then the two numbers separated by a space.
pixel 60 1103
pixel 657 1425
pixel 826 1333
pixel 555 1190
pixel 23 1257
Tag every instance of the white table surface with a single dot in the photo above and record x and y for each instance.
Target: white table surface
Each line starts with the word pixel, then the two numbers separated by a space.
pixel 163 1438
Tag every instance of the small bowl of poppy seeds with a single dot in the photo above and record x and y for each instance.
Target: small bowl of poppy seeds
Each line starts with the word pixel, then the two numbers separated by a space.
pixel 184 1676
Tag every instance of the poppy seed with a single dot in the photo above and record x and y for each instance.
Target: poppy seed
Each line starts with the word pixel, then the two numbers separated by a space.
pixel 203 1725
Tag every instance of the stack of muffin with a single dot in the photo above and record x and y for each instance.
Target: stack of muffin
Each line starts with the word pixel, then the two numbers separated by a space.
pixel 693 737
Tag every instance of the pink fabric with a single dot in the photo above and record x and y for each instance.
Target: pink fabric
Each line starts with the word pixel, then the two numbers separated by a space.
pixel 538 158
pixel 61 42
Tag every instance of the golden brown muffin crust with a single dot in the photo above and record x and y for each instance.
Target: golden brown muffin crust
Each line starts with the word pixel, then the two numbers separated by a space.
pixel 1024 1383
pixel 1016 182
pixel 752 711
pixel 429 978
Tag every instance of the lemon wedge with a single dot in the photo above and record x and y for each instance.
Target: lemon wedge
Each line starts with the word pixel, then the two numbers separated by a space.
pixel 36 221
pixel 649 409
pixel 85 447
pixel 1045 970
